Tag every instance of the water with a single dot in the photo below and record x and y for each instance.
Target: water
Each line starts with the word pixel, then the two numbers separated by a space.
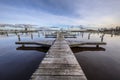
pixel 98 63
pixel 18 64
pixel 101 65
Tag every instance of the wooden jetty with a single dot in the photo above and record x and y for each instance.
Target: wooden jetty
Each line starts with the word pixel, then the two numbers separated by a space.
pixel 79 43
pixel 47 43
pixel 66 35
pixel 59 63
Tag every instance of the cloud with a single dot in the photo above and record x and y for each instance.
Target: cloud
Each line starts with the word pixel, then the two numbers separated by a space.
pixel 11 14
pixel 100 11
pixel 51 12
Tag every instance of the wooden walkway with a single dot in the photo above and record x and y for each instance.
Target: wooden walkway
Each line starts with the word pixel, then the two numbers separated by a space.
pixel 47 43
pixel 59 63
pixel 79 43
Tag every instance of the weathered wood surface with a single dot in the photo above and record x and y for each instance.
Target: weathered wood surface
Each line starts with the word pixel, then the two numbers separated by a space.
pixel 71 43
pixel 59 64
pixel 44 43
pixel 65 35
pixel 78 43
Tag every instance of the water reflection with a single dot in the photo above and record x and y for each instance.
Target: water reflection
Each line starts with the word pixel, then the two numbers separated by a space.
pixel 19 63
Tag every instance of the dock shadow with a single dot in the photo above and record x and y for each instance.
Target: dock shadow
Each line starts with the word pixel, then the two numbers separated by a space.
pixel 81 49
pixel 40 49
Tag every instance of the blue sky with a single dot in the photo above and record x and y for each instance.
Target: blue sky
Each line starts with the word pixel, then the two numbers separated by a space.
pixel 60 12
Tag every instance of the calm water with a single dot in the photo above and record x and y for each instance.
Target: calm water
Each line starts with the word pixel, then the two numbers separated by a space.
pixel 18 64
pixel 101 65
pixel 98 64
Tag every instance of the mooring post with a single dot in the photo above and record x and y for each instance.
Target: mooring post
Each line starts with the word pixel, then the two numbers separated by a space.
pixel 7 33
pixel 38 34
pixel 23 45
pixel 31 36
pixel 19 39
pixel 97 46
pixel 89 35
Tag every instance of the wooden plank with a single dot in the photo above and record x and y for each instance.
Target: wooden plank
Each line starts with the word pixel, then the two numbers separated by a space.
pixel 58 78
pixel 78 43
pixel 59 64
pixel 44 43
pixel 65 35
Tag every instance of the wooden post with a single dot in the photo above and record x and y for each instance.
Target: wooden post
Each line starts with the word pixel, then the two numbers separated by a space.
pixel 23 45
pixel 7 33
pixel 89 35
pixel 31 36
pixel 38 34
pixel 102 37
pixel 19 39
pixel 97 46
pixel 82 34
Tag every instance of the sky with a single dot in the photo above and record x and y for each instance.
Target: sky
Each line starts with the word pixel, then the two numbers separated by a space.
pixel 60 12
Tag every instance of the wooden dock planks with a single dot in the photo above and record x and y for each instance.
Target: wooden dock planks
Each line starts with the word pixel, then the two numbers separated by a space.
pixel 43 43
pixel 59 64
pixel 79 43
